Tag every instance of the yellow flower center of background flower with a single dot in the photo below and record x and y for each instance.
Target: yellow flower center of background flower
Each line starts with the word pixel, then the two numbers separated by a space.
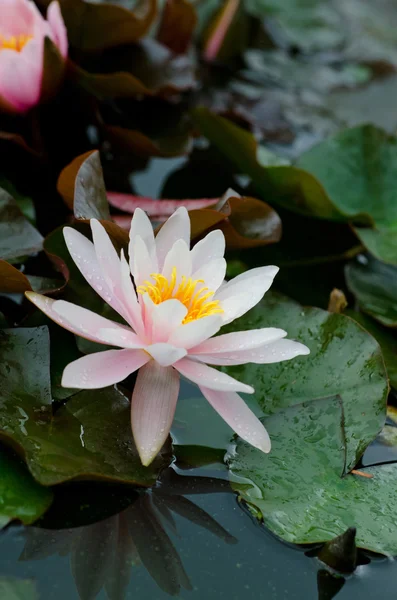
pixel 15 42
pixel 198 302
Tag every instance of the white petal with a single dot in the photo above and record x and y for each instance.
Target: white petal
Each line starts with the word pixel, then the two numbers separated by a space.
pixel 152 408
pixel 166 317
pixel 165 354
pixel 123 339
pixel 243 292
pixel 106 254
pixel 83 253
pixel 208 249
pixel 271 353
pixel 178 257
pixel 240 340
pixel 212 274
pixel 193 333
pixel 241 419
pixel 142 227
pixel 76 319
pixel 129 297
pixel 210 378
pixel 175 228
pixel 142 263
pixel 101 369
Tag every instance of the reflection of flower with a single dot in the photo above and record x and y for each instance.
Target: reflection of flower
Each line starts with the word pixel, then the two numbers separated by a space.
pixel 179 302
pixel 102 554
pixel 22 33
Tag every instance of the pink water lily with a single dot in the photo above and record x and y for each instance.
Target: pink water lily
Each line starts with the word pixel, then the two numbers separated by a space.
pixel 22 34
pixel 178 301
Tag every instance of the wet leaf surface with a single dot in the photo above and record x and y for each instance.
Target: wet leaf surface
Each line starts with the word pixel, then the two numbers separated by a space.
pixel 18 589
pixel 72 443
pixel 21 498
pixel 17 236
pixel 299 489
pixel 374 285
pixel 344 361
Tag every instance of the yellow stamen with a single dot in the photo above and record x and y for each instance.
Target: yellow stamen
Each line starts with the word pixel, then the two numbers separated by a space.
pixel 197 301
pixel 15 42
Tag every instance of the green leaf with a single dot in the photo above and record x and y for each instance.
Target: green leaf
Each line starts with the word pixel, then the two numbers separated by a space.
pixel 385 339
pixel 344 361
pixel 12 588
pixel 374 284
pixel 74 443
pixel 21 497
pixel 17 236
pixel 299 488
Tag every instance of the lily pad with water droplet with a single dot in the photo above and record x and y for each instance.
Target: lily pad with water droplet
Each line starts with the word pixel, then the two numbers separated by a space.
pixel 89 438
pixel 344 360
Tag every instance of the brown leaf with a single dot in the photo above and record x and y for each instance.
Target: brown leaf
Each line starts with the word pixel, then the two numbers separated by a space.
pixel 12 280
pixel 177 25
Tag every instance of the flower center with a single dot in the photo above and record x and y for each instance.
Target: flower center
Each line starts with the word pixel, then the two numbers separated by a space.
pixel 197 302
pixel 15 42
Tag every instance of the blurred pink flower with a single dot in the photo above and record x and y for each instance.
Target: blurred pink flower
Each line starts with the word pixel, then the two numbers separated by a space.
pixel 22 34
pixel 179 301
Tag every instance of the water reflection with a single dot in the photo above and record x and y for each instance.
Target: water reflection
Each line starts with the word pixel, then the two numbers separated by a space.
pixel 104 554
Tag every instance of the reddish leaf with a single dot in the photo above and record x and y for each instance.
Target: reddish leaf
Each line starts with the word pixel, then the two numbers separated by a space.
pixel 177 25
pixel 158 209
pixel 176 144
pixel 12 280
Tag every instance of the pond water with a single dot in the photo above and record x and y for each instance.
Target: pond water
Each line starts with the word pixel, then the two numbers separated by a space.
pixel 188 537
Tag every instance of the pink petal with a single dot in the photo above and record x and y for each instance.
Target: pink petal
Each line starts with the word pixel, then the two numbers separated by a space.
pixel 83 253
pixel 123 339
pixel 211 378
pixel 54 17
pixel 107 257
pixel 142 227
pixel 271 353
pixel 193 333
pixel 155 208
pixel 217 37
pixel 166 316
pixel 76 319
pixel 128 295
pixel 241 419
pixel 141 261
pixel 165 354
pixel 212 273
pixel 240 340
pixel 152 409
pixel 101 369
pixel 208 249
pixel 21 75
pixel 19 17
pixel 175 228
pixel 243 292
pixel 178 257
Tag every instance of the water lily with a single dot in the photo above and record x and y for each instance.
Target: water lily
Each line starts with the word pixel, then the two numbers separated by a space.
pixel 177 303
pixel 22 34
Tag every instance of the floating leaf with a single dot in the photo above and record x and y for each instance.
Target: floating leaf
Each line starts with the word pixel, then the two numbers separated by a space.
pixel 21 497
pixel 177 25
pixel 17 236
pixel 299 488
pixel 82 187
pixel 12 588
pixel 344 361
pixel 168 145
pixel 73 443
pixel 12 280
pixel 374 284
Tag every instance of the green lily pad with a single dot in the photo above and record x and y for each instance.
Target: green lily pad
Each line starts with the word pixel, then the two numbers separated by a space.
pixel 344 361
pixel 21 497
pixel 17 236
pixel 386 340
pixel 362 160
pixel 12 588
pixel 89 438
pixel 374 284
pixel 299 488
